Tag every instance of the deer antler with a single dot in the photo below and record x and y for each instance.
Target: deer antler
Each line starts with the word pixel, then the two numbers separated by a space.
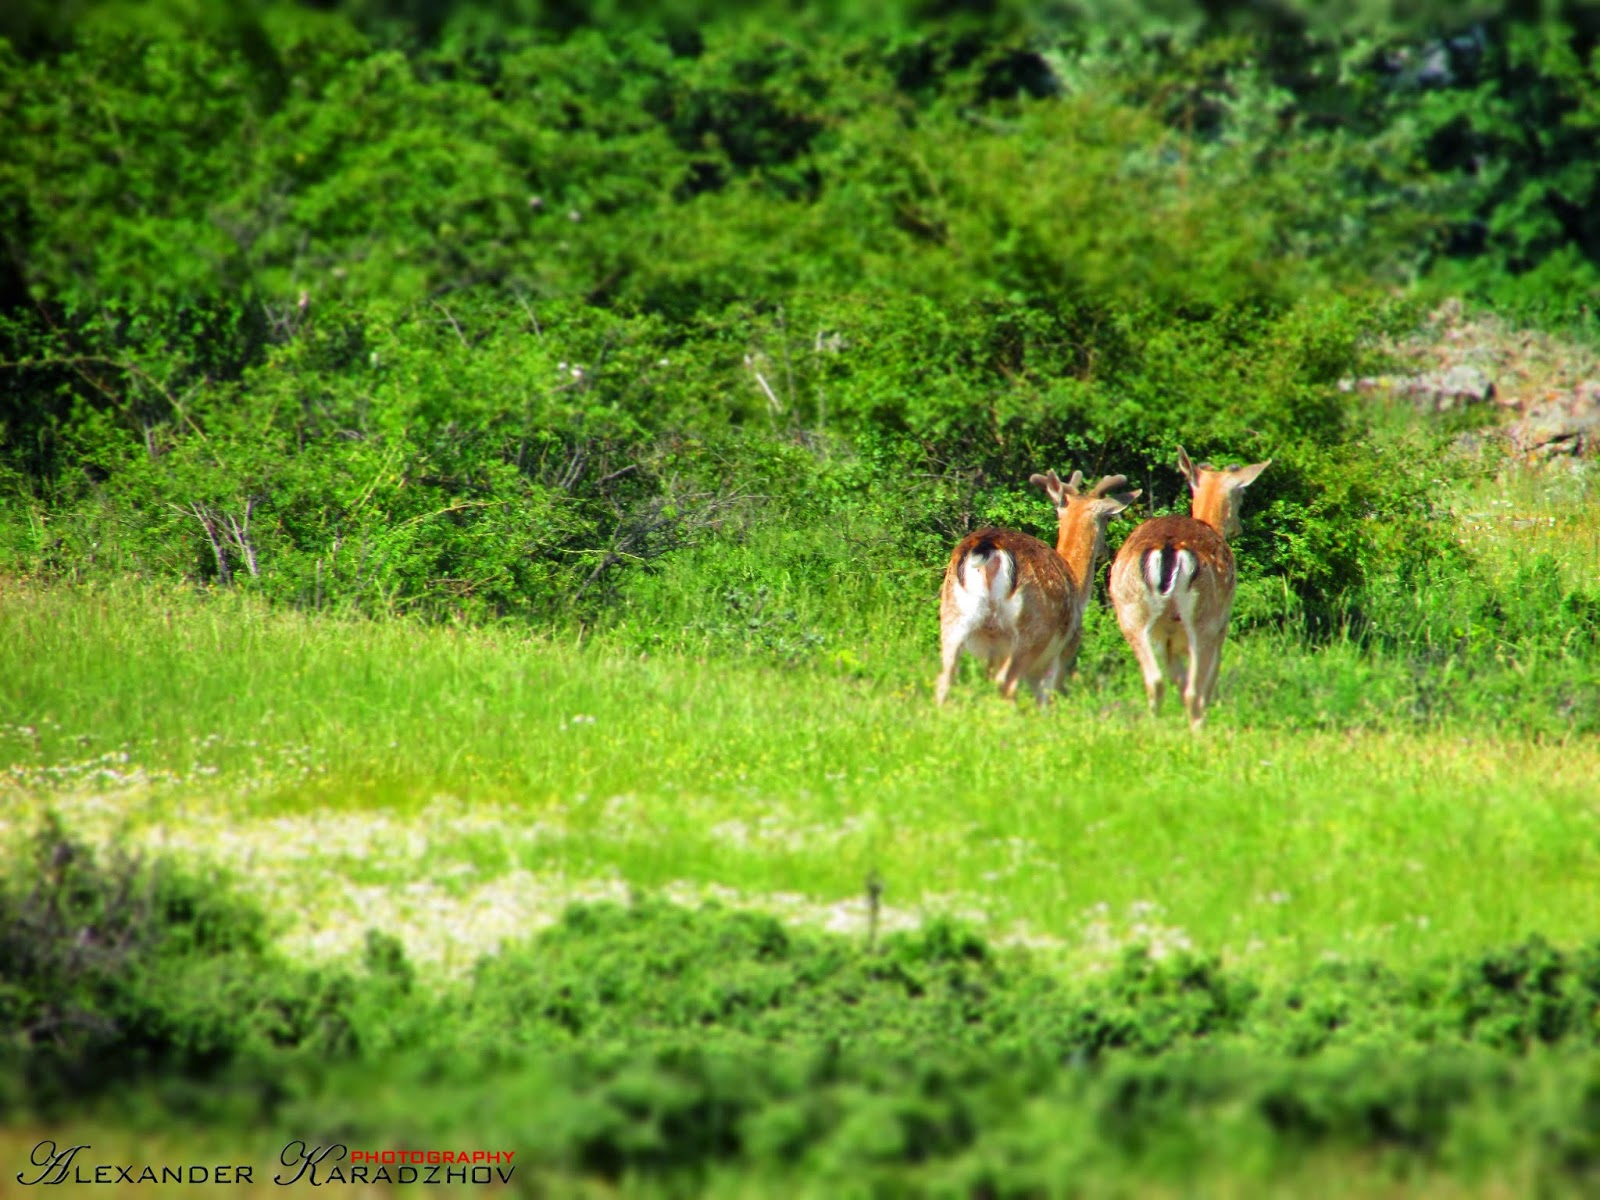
pixel 1109 484
pixel 1059 491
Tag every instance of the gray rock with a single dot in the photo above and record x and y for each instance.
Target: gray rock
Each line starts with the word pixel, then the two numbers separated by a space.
pixel 1443 391
pixel 1434 391
pixel 1472 443
pixel 1563 423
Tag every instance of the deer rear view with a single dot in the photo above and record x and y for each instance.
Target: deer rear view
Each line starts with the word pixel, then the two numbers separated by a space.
pixel 1173 583
pixel 1015 603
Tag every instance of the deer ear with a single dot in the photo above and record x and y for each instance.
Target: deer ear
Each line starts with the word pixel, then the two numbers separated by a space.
pixel 1243 477
pixel 1186 466
pixel 1113 504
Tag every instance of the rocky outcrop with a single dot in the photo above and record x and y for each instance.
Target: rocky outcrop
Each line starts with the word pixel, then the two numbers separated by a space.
pixel 1433 391
pixel 1547 388
pixel 1559 423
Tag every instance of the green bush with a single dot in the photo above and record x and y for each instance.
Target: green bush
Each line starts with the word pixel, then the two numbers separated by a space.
pixel 690 336
pixel 667 1047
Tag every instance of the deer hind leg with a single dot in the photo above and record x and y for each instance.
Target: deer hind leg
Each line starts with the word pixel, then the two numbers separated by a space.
pixel 1175 653
pixel 1216 668
pixel 1040 679
pixel 952 638
pixel 1155 683
pixel 1205 654
pixel 1066 662
pixel 1037 669
pixel 1050 672
pixel 1009 674
pixel 1138 627
pixel 1044 688
pixel 999 659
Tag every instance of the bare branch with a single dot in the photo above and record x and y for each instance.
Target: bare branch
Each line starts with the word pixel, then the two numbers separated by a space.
pixel 574 468
pixel 240 535
pixel 78 364
pixel 452 320
pixel 528 309
pixel 773 403
pixel 208 522
pixel 670 521
pixel 607 561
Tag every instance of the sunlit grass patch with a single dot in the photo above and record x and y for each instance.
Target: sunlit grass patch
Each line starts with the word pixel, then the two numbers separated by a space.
pixel 459 787
pixel 1527 513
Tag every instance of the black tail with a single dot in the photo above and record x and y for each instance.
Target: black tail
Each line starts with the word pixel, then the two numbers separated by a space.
pixel 989 556
pixel 1169 567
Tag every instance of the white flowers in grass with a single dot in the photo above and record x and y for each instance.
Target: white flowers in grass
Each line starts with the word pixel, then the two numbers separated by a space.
pixel 778 832
pixel 116 770
pixel 328 877
pixel 453 881
pixel 113 769
pixel 1104 937
pixel 444 933
pixel 849 916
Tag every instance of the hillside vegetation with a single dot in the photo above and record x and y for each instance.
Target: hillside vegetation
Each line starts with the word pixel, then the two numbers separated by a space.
pixel 474 484
pixel 632 318
pixel 647 1050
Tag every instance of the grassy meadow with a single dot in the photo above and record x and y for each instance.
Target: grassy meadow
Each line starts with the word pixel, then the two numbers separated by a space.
pixel 460 784
pixel 475 477
pixel 457 788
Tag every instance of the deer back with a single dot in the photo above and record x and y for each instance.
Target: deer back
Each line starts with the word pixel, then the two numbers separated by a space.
pixel 1018 581
pixel 1167 554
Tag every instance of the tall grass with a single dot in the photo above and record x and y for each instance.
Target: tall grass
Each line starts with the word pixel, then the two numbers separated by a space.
pixel 461 783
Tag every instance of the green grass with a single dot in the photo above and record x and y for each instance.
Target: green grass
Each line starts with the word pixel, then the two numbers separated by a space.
pixel 1526 514
pixel 1423 794
pixel 458 785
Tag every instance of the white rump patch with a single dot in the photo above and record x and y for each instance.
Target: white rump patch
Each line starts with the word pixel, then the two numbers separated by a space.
pixel 1152 572
pixel 981 601
pixel 1183 569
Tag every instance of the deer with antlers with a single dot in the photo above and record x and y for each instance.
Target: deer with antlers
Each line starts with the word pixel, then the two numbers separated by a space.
pixel 1172 584
pixel 1015 603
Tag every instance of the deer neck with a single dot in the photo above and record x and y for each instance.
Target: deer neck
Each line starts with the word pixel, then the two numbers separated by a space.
pixel 1211 505
pixel 1077 543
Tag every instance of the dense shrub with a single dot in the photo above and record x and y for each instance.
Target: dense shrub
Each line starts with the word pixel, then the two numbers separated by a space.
pixel 665 1046
pixel 669 328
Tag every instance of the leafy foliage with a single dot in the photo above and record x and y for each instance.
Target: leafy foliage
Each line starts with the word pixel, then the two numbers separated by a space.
pixel 475 311
pixel 661 1044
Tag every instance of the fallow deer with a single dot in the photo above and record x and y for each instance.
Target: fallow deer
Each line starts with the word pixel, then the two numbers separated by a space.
pixel 1013 602
pixel 1173 582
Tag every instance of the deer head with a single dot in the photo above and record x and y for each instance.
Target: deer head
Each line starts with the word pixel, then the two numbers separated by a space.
pixel 1084 514
pixel 1216 491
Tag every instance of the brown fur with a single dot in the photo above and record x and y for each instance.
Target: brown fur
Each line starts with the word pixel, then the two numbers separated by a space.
pixel 1183 618
pixel 1033 634
pixel 1042 579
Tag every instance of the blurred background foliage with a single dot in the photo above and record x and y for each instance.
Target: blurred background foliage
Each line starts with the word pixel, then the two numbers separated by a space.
pixel 626 313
